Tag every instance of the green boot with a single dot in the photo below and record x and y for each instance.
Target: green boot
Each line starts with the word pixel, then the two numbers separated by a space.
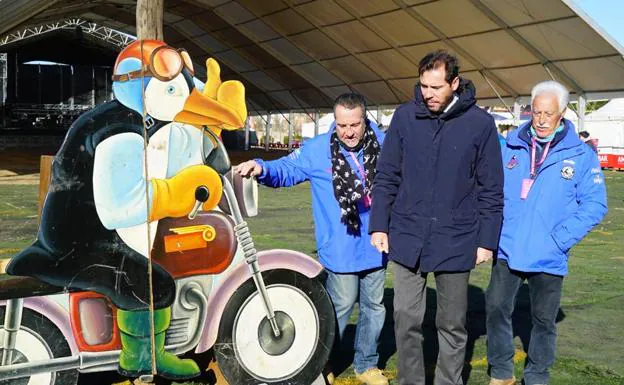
pixel 136 358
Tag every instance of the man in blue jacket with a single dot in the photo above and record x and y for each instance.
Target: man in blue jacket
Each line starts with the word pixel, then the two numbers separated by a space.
pixel 340 166
pixel 437 199
pixel 554 195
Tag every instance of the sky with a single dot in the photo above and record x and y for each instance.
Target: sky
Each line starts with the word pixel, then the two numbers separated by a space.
pixel 608 14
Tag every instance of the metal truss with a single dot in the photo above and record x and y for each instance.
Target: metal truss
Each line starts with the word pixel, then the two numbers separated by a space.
pixel 111 36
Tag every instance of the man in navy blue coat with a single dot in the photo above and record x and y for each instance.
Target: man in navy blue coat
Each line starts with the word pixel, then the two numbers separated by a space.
pixel 437 207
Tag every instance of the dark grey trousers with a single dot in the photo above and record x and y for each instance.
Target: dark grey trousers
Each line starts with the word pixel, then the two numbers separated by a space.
pixel 410 299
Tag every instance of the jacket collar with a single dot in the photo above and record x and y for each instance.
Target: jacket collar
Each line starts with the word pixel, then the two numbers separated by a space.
pixel 563 140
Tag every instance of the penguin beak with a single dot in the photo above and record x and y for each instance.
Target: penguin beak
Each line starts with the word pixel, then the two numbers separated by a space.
pixel 201 110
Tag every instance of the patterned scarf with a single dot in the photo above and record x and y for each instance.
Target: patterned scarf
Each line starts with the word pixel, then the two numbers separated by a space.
pixel 348 188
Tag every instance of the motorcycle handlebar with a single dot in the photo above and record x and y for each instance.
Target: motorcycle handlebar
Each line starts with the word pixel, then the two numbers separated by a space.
pixel 202 194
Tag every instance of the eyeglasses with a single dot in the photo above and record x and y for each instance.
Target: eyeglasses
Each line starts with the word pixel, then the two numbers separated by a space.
pixel 165 64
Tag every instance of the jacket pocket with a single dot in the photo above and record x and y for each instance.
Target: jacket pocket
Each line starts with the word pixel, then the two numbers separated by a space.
pixel 406 234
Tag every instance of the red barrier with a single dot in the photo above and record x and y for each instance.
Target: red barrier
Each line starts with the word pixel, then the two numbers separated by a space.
pixel 604 160
pixel 618 161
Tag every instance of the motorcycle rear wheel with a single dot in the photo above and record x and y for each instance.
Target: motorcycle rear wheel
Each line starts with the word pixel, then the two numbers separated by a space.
pixel 248 352
pixel 39 339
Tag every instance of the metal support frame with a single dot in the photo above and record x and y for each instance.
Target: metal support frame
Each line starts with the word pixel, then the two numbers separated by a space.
pixel 60 84
pixel 317 116
pixel 267 132
pixel 4 70
pixel 71 86
pixel 517 111
pixel 92 86
pixel 290 130
pixel 582 106
pixel 111 36
pixel 39 86
pixel 247 132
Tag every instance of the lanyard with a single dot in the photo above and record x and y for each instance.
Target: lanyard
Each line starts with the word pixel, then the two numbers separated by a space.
pixel 359 166
pixel 544 153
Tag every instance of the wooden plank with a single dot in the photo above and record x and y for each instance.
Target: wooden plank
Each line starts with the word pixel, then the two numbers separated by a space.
pixel 45 175
pixel 22 287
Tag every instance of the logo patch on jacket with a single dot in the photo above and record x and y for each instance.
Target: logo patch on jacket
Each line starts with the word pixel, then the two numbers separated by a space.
pixel 513 162
pixel 567 172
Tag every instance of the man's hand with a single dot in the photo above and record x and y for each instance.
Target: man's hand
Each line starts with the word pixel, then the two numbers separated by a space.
pixel 249 169
pixel 379 241
pixel 484 255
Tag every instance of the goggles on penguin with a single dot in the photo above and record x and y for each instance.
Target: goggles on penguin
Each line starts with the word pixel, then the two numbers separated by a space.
pixel 165 64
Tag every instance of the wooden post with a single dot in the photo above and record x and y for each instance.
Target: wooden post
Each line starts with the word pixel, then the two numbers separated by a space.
pixel 45 173
pixel 149 19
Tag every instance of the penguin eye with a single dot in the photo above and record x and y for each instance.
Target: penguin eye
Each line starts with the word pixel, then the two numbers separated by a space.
pixel 172 90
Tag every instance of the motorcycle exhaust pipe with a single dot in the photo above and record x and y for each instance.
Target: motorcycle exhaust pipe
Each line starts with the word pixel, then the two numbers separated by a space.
pixel 88 361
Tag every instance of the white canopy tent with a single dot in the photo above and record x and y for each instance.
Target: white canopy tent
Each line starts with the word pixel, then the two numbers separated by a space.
pixel 607 125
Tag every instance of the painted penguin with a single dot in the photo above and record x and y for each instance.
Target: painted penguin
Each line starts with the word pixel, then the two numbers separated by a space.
pixel 108 185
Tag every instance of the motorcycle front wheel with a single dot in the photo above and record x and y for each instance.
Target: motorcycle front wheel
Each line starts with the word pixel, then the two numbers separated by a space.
pixel 39 339
pixel 247 351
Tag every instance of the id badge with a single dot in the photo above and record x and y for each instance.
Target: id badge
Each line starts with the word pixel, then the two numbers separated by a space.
pixel 526 187
pixel 367 201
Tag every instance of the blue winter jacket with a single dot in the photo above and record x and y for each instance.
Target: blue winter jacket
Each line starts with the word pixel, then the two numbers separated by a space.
pixel 338 251
pixel 568 198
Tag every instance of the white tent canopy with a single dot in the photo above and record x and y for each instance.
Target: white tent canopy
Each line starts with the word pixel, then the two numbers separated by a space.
pixel 607 125
pixel 612 111
pixel 302 54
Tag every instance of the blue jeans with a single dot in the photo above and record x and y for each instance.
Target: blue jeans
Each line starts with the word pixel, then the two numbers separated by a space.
pixel 545 296
pixel 343 289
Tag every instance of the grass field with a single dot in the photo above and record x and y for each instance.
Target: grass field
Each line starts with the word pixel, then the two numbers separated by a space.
pixel 590 323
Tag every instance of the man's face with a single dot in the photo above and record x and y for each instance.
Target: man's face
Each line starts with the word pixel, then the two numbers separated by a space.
pixel 349 125
pixel 546 114
pixel 436 91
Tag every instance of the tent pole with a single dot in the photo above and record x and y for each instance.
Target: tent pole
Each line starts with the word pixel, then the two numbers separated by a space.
pixel 496 92
pixel 317 116
pixel 290 131
pixel 267 132
pixel 582 104
pixel 247 129
pixel 517 112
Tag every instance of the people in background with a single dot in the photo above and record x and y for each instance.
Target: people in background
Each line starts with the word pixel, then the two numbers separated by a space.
pixel 584 136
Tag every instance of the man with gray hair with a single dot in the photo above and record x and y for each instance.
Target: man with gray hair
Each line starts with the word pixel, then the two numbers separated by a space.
pixel 554 195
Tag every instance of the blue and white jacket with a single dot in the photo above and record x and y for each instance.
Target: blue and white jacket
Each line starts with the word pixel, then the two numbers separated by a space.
pixel 338 251
pixel 567 199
